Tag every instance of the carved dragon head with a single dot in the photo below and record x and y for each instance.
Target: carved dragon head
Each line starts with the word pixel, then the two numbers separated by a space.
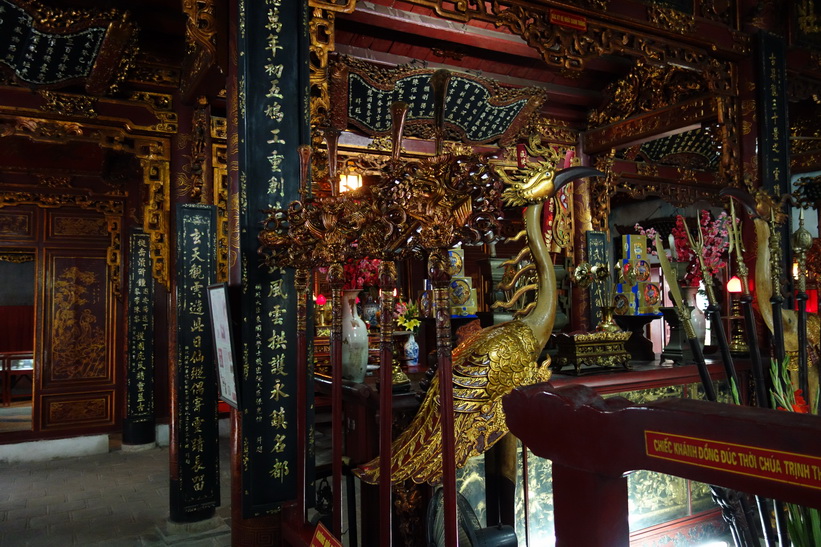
pixel 535 185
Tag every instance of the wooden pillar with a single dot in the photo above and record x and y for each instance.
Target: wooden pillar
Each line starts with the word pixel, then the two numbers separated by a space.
pixel 267 123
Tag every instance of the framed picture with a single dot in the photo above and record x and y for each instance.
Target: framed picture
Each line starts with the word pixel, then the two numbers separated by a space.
pixel 223 343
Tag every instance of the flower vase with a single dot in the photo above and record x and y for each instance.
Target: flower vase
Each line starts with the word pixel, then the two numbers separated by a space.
pixel 697 317
pixel 607 323
pixel 370 311
pixel 411 350
pixel 354 339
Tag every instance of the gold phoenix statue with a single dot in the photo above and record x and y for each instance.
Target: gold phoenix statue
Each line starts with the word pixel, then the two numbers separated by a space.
pixel 491 363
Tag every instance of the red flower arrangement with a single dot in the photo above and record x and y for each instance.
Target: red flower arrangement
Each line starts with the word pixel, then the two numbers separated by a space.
pixel 716 242
pixel 359 273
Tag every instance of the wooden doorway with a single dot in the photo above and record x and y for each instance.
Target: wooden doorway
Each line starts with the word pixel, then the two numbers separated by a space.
pixel 74 317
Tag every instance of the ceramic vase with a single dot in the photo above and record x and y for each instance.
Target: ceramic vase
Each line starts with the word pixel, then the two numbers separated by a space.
pixel 370 311
pixel 411 351
pixel 354 339
pixel 697 317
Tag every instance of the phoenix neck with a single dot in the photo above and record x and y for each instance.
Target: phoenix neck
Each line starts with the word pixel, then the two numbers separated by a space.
pixel 543 315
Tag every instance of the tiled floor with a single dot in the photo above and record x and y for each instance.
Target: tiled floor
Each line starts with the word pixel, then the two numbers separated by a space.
pixel 115 499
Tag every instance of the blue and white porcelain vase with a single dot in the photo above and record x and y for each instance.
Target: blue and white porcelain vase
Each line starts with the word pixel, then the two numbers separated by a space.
pixel 354 339
pixel 411 351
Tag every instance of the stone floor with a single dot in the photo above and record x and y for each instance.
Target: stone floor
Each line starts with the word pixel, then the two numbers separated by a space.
pixel 120 498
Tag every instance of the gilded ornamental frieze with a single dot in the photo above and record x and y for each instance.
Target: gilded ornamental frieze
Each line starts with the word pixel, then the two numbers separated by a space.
pixel 648 88
pixel 66 104
pixel 677 21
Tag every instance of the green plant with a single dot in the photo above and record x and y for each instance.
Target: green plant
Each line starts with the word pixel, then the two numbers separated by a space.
pixel 803 523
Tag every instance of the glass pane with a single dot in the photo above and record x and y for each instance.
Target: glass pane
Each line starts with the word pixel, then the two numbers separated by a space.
pixel 540 502
pixel 702 500
pixel 654 498
pixel 470 482
pixel 642 396
pixel 22 364
pixel 723 393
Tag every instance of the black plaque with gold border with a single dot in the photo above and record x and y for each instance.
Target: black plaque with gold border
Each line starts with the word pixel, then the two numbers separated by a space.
pixel 272 124
pixel 196 488
pixel 773 127
pixel 138 425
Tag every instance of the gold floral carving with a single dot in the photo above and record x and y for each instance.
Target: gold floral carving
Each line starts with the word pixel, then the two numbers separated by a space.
pixel 78 342
pixel 717 10
pixel 144 73
pixel 808 20
pixel 601 191
pixel 156 216
pixel 69 105
pixel 80 410
pixel 668 18
pixel 192 177
pixel 570 49
pixel 152 152
pixel 648 88
pixel 113 257
pixel 41 130
pixel 219 162
pixel 647 169
pixel 201 49
pixel 556 131
pixel 321 30
pixel 15 225
pixel 60 200
pixel 73 226
pixel 53 181
pixel 162 107
pixel 219 128
pixel 16 258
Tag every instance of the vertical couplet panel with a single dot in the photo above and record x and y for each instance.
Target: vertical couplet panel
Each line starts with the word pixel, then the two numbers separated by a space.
pixel 195 481
pixel 272 123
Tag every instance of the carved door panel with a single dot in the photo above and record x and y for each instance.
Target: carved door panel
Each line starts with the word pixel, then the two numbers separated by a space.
pixel 76 384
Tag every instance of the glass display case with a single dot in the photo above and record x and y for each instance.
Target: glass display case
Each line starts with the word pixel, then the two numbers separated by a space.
pixel 16 368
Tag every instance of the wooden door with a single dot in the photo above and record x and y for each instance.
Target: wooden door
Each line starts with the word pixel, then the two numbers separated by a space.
pixel 75 357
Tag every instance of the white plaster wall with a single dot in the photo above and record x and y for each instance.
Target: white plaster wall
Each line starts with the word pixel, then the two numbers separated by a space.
pixel 53 449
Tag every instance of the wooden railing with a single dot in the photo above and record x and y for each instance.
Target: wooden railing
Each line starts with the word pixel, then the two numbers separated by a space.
pixel 593 442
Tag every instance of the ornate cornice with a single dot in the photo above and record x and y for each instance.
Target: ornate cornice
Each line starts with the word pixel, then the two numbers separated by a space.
pixel 691 112
pixel 677 21
pixel 647 88
pixel 105 206
pixel 68 105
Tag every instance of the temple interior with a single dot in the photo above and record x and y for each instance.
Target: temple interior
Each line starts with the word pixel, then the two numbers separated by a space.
pixel 434 272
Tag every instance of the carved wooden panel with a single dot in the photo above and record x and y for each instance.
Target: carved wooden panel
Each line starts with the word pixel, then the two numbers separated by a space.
pixel 78 316
pixel 18 224
pixel 64 225
pixel 78 410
